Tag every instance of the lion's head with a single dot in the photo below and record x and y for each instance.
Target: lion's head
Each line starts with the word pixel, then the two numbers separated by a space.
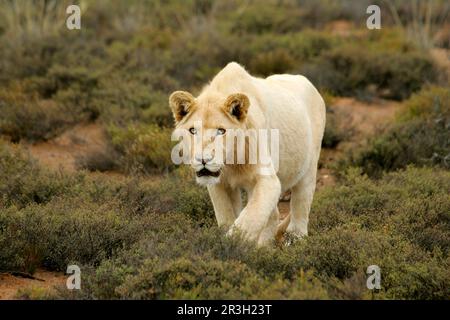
pixel 208 120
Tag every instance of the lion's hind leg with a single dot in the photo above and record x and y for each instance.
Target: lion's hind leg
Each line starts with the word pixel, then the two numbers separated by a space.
pixel 300 206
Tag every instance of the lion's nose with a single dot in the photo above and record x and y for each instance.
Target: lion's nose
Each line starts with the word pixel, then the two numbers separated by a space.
pixel 204 160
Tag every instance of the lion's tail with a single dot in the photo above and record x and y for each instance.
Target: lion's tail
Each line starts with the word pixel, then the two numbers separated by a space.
pixel 282 227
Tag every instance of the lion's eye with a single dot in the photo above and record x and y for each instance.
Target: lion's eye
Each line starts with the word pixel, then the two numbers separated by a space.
pixel 221 131
pixel 193 130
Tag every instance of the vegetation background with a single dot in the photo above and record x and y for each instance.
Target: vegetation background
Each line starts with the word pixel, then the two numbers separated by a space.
pixel 85 170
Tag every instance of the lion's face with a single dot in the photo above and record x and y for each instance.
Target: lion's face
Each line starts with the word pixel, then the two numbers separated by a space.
pixel 208 121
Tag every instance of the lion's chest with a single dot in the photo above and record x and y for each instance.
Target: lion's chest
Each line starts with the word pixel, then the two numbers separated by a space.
pixel 242 178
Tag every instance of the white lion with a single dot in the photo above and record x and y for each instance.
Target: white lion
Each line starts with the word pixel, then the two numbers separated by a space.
pixel 236 100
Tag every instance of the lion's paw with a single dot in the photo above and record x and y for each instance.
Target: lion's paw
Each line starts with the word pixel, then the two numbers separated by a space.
pixel 244 227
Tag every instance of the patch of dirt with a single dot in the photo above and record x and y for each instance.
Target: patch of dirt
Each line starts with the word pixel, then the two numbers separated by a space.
pixel 9 285
pixel 341 28
pixel 359 121
pixel 442 59
pixel 365 118
pixel 61 153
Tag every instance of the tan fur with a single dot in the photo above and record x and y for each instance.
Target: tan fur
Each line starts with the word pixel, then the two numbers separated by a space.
pixel 289 103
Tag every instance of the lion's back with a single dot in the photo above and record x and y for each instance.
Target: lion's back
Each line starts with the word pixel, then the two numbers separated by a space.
pixel 299 111
pixel 306 92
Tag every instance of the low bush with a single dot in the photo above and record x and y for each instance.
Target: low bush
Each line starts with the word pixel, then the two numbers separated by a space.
pixel 124 75
pixel 390 205
pixel 258 19
pixel 50 219
pixel 156 194
pixel 430 102
pixel 144 148
pixel 334 130
pixel 270 53
pixel 273 62
pixel 62 232
pixel 359 223
pixel 23 182
pixel 419 136
pixel 25 116
pixel 105 159
pixel 350 71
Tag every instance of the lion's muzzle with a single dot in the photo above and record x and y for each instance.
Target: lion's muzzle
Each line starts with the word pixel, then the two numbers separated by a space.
pixel 206 173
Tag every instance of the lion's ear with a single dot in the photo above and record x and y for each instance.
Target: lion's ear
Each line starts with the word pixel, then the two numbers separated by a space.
pixel 181 103
pixel 237 106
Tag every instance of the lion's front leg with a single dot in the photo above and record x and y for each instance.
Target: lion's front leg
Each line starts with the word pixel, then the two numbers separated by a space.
pixel 262 202
pixel 224 210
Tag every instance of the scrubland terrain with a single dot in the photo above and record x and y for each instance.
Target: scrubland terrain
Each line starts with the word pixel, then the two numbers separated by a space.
pixel 86 176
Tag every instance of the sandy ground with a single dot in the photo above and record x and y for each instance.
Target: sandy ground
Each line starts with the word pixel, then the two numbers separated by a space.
pixel 62 152
pixel 442 59
pixel 362 119
pixel 9 285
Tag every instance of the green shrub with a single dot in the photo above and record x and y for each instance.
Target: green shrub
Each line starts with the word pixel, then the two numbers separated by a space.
pixel 34 293
pixel 71 87
pixel 25 116
pixel 430 102
pixel 271 17
pixel 144 149
pixel 178 258
pixel 335 130
pixel 49 219
pixel 98 160
pixel 419 280
pixel 122 71
pixel 155 194
pixel 22 181
pixel 192 263
pixel 416 142
pixel 420 137
pixel 391 205
pixel 350 70
pixel 274 62
pixel 46 236
pixel 154 238
pixel 196 278
pixel 270 53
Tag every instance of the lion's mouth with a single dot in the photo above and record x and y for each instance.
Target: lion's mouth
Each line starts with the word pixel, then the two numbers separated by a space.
pixel 206 173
